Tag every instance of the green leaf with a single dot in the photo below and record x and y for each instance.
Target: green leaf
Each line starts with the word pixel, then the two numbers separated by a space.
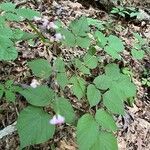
pixel 115 45
pixel 112 70
pixel 90 61
pixel 27 13
pixel 40 67
pixel 6 32
pixel 105 141
pixel 83 42
pixel 62 79
pixel 138 54
pixel 19 35
pixel 39 96
pixel 10 96
pixel 81 66
pixel 60 105
pixel 87 132
pixel 113 102
pixel 102 40
pixel 105 120
pixel 102 82
pixel 7 6
pixel 59 65
pixel 95 22
pixel 33 126
pixel 12 17
pixel 93 95
pixel 78 86
pixel 111 51
pixel 7 50
pixel 79 26
pixel 69 39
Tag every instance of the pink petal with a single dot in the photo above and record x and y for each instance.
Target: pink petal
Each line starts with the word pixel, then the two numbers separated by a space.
pixel 52 25
pixel 57 120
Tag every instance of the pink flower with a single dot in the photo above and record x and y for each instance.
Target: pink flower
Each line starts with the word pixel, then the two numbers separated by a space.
pixel 52 25
pixel 57 120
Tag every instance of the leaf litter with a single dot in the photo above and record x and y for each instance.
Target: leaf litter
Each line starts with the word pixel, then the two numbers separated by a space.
pixel 134 133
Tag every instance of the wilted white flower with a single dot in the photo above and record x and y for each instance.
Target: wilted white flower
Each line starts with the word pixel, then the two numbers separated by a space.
pixel 57 120
pixel 52 25
pixel 34 83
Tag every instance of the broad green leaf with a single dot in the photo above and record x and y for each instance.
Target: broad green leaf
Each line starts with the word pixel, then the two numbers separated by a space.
pixel 81 66
pixel 33 126
pixel 27 13
pixel 112 70
pixel 102 82
pixel 83 42
pixel 39 96
pixel 95 22
pixel 87 132
pixel 6 32
pixel 7 50
pixel 111 51
pixel 137 54
pixel 69 39
pixel 90 61
pixel 2 21
pixel 116 43
pixel 12 17
pixel 19 35
pixel 40 67
pixel 63 107
pixel 59 65
pixel 93 95
pixel 62 79
pixel 114 46
pixel 91 51
pixel 105 120
pixel 102 40
pixel 10 96
pixel 78 86
pixel 105 141
pixel 79 26
pixel 7 6
pixel 113 102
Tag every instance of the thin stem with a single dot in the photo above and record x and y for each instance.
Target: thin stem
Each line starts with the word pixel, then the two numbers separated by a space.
pixel 35 30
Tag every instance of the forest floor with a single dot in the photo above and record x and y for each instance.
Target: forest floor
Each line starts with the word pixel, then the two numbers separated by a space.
pixel 134 132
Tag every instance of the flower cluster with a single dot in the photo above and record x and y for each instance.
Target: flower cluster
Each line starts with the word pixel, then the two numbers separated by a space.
pixel 49 25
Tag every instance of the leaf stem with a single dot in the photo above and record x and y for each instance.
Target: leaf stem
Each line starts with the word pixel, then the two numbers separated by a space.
pixel 35 30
